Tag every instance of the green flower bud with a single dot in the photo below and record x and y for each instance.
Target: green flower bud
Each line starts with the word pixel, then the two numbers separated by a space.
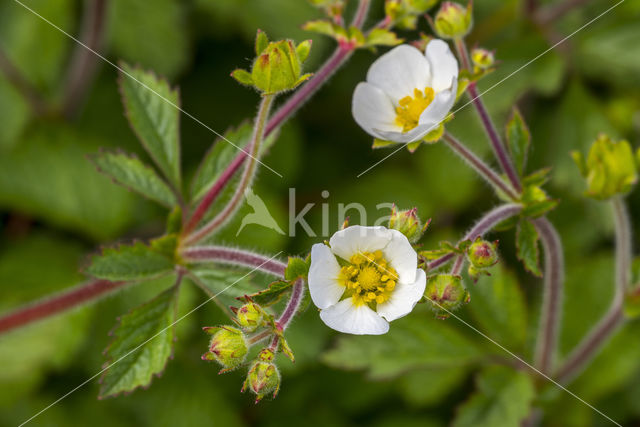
pixel 446 293
pixel 228 347
pixel 263 377
pixel 482 254
pixel 250 317
pixel 404 13
pixel 482 58
pixel 408 223
pixel 453 21
pixel 610 168
pixel 277 67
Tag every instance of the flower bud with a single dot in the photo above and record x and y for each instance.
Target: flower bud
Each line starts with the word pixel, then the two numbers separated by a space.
pixel 482 58
pixel 408 223
pixel 228 347
pixel 453 21
pixel 250 316
pixel 404 13
pixel 610 168
pixel 482 254
pixel 277 67
pixel 446 293
pixel 263 377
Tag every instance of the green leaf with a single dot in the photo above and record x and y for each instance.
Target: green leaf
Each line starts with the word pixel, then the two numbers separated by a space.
pixel 297 268
pixel 536 202
pixel 130 172
pixel 152 108
pixel 537 178
pixel 498 307
pixel 412 342
pixel 431 386
pixel 142 345
pixel 503 399
pixel 135 262
pixel 527 247
pixel 323 27
pixel 272 294
pixel 382 37
pixel 518 140
pixel 225 285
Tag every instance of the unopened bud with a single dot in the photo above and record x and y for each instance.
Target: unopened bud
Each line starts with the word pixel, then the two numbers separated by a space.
pixel 263 377
pixel 408 223
pixel 482 58
pixel 610 168
pixel 453 21
pixel 447 293
pixel 228 347
pixel 483 254
pixel 250 316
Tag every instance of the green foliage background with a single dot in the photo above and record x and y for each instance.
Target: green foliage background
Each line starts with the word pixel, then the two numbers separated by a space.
pixel 55 209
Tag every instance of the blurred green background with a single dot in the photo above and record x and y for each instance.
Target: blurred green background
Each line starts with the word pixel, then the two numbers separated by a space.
pixel 55 209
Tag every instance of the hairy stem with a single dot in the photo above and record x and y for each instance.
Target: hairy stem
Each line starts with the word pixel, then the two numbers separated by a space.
pixel 497 145
pixel 245 181
pixel 230 256
pixel 552 295
pixel 19 81
pixel 59 303
pixel 479 166
pixel 602 331
pixel 292 306
pixel 339 57
pixel 483 226
pixel 83 66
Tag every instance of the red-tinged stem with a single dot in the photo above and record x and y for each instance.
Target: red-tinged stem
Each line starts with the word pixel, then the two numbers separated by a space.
pixel 230 256
pixel 89 291
pixel 339 57
pixel 483 226
pixel 497 145
pixel 481 167
pixel 552 295
pixel 84 62
pixel 602 331
pixel 292 306
pixel 245 181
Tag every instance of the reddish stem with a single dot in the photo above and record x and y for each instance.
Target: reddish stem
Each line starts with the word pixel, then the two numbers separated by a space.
pixel 292 306
pixel 232 256
pixel 58 303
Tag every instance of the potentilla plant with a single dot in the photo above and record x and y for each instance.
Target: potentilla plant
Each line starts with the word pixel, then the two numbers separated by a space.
pixel 363 277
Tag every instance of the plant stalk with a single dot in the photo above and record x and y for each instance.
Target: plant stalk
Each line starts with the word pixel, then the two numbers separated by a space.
pixel 230 256
pixel 550 313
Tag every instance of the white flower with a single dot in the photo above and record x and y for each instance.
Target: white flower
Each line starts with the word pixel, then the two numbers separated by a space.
pixel 407 94
pixel 375 282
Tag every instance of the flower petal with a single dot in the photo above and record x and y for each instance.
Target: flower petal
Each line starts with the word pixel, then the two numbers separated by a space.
pixel 404 298
pixel 414 134
pixel 323 286
pixel 400 71
pixel 372 108
pixel 350 319
pixel 444 66
pixel 437 111
pixel 402 257
pixel 357 239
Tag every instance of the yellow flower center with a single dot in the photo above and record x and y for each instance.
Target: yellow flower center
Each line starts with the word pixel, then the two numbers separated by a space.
pixel 411 107
pixel 369 278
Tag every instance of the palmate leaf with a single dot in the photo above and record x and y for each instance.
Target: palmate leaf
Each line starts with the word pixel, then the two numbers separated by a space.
pixel 152 109
pixel 130 172
pixel 413 342
pixel 135 262
pixel 142 345
pixel 503 399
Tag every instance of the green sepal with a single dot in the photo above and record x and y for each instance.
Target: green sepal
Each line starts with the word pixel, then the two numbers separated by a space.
pixel 303 49
pixel 381 143
pixel 262 41
pixel 242 76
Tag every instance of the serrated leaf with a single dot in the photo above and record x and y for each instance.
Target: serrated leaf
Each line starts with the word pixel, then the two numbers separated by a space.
pixel 527 247
pixel 225 285
pixel 130 172
pixel 499 308
pixel 518 140
pixel 412 342
pixel 297 268
pixel 152 109
pixel 135 262
pixel 272 294
pixel 142 345
pixel 382 37
pixel 503 399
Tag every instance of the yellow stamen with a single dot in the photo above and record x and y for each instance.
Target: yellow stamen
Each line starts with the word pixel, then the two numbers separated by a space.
pixel 368 279
pixel 411 107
